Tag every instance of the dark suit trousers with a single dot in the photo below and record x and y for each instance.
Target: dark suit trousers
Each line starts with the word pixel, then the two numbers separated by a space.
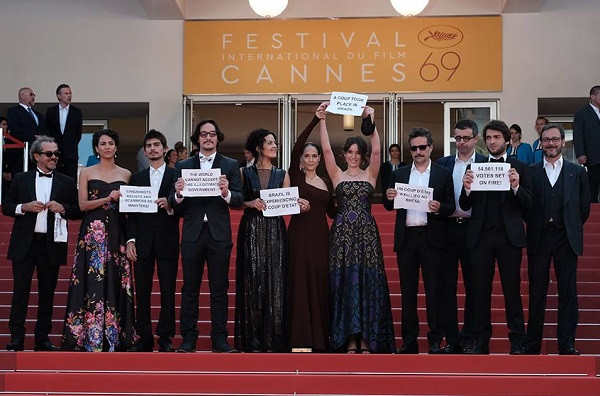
pixel 456 237
pixel 216 254
pixel 594 180
pixel 67 167
pixel 494 245
pixel 144 278
pixel 47 275
pixel 555 246
pixel 418 252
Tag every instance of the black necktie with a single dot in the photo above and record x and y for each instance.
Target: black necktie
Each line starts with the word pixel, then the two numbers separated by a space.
pixel 501 159
pixel 42 174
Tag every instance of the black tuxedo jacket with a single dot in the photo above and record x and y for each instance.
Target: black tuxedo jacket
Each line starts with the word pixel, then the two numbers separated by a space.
pixel 515 208
pixel 67 142
pixel 23 126
pixel 215 208
pixel 159 229
pixel 22 190
pixel 440 179
pixel 586 135
pixel 576 205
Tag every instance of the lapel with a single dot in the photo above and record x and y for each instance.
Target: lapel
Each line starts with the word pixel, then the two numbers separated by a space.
pixel 31 184
pixel 56 183
pixel 568 181
pixel 217 162
pixel 537 178
pixel 145 175
pixel 404 173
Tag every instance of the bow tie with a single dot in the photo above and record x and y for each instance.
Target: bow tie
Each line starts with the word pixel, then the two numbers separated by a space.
pixel 203 158
pixel 501 159
pixel 42 174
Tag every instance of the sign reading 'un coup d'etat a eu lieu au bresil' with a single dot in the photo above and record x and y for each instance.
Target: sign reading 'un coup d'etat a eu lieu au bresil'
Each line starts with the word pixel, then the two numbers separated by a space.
pixel 351 55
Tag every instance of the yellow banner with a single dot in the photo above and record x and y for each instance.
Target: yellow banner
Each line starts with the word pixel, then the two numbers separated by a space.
pixel 356 55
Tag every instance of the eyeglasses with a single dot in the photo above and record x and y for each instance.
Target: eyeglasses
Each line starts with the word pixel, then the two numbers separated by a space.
pixel 463 138
pixel 553 140
pixel 422 147
pixel 49 154
pixel 206 134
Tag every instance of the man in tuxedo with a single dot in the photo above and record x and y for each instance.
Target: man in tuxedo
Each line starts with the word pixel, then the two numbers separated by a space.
pixel 496 232
pixel 154 238
pixel 25 124
pixel 38 200
pixel 561 206
pixel 586 139
pixel 466 135
pixel 206 237
pixel 419 240
pixel 64 122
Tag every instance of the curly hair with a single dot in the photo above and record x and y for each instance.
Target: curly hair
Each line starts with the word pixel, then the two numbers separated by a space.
pixel 195 138
pixel 256 138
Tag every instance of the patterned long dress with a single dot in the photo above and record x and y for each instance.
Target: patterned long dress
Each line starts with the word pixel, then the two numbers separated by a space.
pixel 100 315
pixel 358 285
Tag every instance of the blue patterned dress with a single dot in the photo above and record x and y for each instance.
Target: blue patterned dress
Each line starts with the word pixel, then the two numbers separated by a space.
pixel 358 285
pixel 99 314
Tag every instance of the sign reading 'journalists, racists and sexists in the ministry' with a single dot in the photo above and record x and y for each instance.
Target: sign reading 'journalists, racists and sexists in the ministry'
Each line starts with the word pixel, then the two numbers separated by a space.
pixel 351 55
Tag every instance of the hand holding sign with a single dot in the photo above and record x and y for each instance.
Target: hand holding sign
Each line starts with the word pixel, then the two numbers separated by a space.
pixel 414 197
pixel 347 103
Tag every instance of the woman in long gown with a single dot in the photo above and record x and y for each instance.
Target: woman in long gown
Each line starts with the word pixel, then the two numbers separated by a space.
pixel 261 265
pixel 308 241
pixel 361 314
pixel 99 314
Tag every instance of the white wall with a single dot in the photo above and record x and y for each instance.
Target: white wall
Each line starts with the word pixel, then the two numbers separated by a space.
pixel 106 50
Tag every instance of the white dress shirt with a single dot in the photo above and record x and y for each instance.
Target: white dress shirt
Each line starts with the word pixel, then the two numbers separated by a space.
pixel 460 167
pixel 63 113
pixel 553 170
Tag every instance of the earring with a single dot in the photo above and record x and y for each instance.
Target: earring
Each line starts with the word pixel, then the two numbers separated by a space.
pixel 115 155
pixel 98 156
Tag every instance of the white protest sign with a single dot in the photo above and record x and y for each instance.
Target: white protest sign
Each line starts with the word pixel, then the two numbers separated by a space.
pixel 412 197
pixel 138 199
pixel 347 103
pixel 201 182
pixel 280 201
pixel 490 176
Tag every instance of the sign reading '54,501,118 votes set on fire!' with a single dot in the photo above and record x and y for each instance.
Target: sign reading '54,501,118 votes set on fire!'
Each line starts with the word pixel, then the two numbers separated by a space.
pixel 351 55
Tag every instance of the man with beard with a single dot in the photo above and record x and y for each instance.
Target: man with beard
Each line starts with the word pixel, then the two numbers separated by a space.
pixel 561 206
pixel 496 233
pixel 154 237
pixel 419 240
pixel 38 200
pixel 206 237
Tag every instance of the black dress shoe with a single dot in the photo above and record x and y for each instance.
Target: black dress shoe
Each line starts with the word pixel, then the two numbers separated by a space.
pixel 16 344
pixel 165 345
pixel 517 349
pixel 453 349
pixel 434 349
pixel 143 346
pixel 569 351
pixel 187 346
pixel 409 349
pixel 477 349
pixel 45 346
pixel 223 347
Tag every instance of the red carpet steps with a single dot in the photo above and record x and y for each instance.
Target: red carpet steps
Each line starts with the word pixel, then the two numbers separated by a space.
pixel 588 336
pixel 71 373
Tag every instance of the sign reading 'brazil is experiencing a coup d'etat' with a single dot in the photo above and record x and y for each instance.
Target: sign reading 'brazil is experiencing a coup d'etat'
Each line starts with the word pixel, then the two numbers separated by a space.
pixel 355 55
